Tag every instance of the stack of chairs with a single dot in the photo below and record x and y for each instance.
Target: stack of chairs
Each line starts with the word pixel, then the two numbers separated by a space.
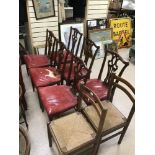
pixel 62 80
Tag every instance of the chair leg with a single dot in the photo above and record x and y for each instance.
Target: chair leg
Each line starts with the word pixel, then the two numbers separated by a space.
pixel 24 116
pixel 122 135
pixel 49 135
pixel 96 147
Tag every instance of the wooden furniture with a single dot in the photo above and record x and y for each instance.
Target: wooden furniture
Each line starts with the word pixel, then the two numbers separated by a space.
pixel 34 60
pixel 115 122
pixel 87 54
pixel 24 143
pixel 51 75
pixel 73 133
pixel 100 87
pixel 21 107
pixel 56 99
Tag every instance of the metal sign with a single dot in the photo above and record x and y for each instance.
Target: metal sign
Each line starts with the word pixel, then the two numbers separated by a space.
pixel 121 31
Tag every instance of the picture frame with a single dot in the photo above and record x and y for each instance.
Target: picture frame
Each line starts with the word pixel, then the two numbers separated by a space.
pixel 43 8
pixel 100 37
pixel 65 32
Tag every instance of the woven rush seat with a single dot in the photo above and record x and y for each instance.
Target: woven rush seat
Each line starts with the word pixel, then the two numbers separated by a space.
pixel 33 61
pixel 98 87
pixel 71 132
pixel 56 99
pixel 113 118
pixel 44 76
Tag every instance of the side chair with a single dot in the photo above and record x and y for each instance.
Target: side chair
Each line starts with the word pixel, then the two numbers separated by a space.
pixel 73 133
pixel 112 63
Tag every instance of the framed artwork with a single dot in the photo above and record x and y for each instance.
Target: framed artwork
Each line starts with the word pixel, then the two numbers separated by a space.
pixel 43 8
pixel 65 32
pixel 101 37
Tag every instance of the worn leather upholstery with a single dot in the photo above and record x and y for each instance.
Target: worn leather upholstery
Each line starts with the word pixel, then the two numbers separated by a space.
pixel 97 86
pixel 44 76
pixel 33 61
pixel 56 99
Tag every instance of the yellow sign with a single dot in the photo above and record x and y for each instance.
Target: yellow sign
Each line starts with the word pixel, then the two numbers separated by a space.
pixel 121 31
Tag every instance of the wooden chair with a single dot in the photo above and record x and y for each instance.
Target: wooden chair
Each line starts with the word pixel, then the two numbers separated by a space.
pixel 68 73
pixel 73 133
pixel 51 75
pixel 34 60
pixel 87 55
pixel 115 122
pixel 115 64
pixel 21 107
pixel 24 143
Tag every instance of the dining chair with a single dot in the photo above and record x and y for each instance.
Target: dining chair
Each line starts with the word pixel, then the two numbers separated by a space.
pixel 116 123
pixel 73 133
pixel 34 60
pixel 51 75
pixel 88 54
pixel 112 63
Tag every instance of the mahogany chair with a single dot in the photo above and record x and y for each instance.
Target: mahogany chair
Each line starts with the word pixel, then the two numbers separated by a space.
pixel 51 75
pixel 115 122
pixel 68 73
pixel 24 142
pixel 34 60
pixel 115 64
pixel 73 133
pixel 56 99
pixel 87 55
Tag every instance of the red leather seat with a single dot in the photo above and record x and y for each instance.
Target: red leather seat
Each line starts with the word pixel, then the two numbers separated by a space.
pixel 34 61
pixel 97 86
pixel 57 99
pixel 44 76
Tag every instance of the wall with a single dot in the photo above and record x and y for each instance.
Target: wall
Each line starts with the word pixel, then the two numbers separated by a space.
pixel 37 28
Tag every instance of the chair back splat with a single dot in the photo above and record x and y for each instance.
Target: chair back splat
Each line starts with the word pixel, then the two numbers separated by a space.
pixel 112 64
pixel 74 42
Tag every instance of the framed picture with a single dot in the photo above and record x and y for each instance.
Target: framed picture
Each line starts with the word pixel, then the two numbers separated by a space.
pixel 43 8
pixel 101 37
pixel 92 23
pixel 65 32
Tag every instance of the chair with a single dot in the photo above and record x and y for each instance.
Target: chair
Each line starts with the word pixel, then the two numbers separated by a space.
pixel 87 55
pixel 115 64
pixel 73 133
pixel 51 75
pixel 35 61
pixel 21 107
pixel 24 143
pixel 68 73
pixel 56 99
pixel 115 122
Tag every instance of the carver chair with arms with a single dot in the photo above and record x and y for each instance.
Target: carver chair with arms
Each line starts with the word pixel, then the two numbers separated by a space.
pixel 115 122
pixel 112 63
pixel 73 133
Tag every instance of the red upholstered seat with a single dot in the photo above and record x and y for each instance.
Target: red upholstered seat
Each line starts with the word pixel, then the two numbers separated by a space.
pixel 33 61
pixel 56 99
pixel 97 86
pixel 44 76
